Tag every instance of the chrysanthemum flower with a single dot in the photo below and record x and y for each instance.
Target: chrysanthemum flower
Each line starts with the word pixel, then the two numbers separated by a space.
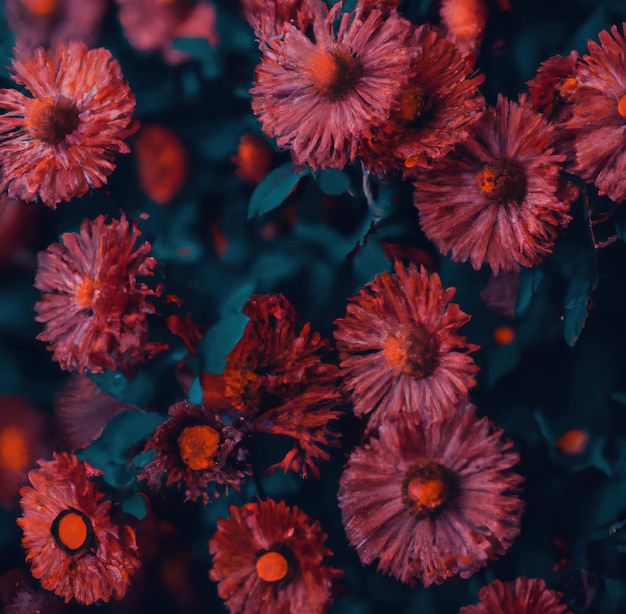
pixel 522 596
pixel 269 559
pixel 48 23
pixel 400 349
pixel 74 547
pixel 194 451
pixel 599 114
pixel 95 311
pixel 433 112
pixel 279 378
pixel 153 25
pixel 432 499
pixel 318 97
pixel 62 141
pixel 498 197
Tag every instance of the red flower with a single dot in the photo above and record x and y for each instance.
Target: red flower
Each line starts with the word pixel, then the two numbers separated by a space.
pixel 400 349
pixel 62 142
pixel 70 540
pixel 153 25
pixel 48 23
pixel 277 375
pixel 195 450
pixel 268 559
pixel 434 111
pixel 599 114
pixel 94 309
pixel 497 197
pixel 432 499
pixel 522 596
pixel 318 98
pixel 268 18
pixel 465 22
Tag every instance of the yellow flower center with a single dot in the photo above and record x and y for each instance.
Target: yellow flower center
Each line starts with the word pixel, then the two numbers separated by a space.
pixel 71 529
pixel 51 121
pixel 272 567
pixel 412 350
pixel 198 445
pixel 13 449
pixel 503 180
pixel 334 74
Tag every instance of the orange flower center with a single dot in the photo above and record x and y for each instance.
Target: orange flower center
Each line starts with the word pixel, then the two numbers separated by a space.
pixel 40 8
pixel 272 567
pixel 621 106
pixel 198 445
pixel 84 293
pixel 13 449
pixel 51 121
pixel 71 529
pixel 411 349
pixel 414 104
pixel 334 74
pixel 503 180
pixel 427 487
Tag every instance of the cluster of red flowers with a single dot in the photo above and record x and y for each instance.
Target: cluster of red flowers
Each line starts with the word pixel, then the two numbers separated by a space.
pixel 431 491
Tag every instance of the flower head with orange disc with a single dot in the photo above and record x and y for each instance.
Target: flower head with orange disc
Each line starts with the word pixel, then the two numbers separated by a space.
pixel 432 499
pixel 94 309
pixel 268 558
pixel 62 141
pixel 498 198
pixel 521 596
pixel 74 547
pixel 278 375
pixel 195 451
pixel 400 348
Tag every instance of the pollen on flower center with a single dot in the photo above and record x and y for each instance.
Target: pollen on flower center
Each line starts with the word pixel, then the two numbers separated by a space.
pixel 198 445
pixel 84 293
pixel 71 530
pixel 272 567
pixel 51 121
pixel 503 180
pixel 411 349
pixel 621 106
pixel 427 488
pixel 414 104
pixel 13 449
pixel 40 8
pixel 334 74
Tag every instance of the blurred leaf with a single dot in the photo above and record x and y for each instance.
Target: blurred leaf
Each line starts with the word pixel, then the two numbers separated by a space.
pixel 143 458
pixel 137 391
pixel 195 394
pixel 238 299
pixel 135 505
pixel 206 54
pixel 219 340
pixel 273 189
pixel 576 305
pixel 333 181
pixel 528 283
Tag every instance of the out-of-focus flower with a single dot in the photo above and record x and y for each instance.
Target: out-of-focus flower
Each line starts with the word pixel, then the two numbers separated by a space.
pixel 18 228
pixel 82 410
pixel 161 161
pixel 269 18
pixel 254 158
pixel 74 547
pixel 572 442
pixel 400 349
pixel 27 600
pixel 320 96
pixel 23 439
pixel 465 22
pixel 269 559
pixel 522 596
pixel 432 499
pixel 500 293
pixel 62 142
pixel 153 25
pixel 598 117
pixel 498 197
pixel 433 112
pixel 47 23
pixel 195 451
pixel 95 311
pixel 279 378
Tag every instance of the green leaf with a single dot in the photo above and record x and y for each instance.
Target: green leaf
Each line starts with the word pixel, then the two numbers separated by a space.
pixel 195 395
pixel 219 340
pixel 528 283
pixel 273 189
pixel 135 505
pixel 333 181
pixel 137 391
pixel 143 458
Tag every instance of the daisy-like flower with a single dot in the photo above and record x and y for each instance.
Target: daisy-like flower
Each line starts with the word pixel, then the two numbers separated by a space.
pixel 522 596
pixel 95 311
pixel 498 197
pixel 269 559
pixel 153 25
pixel 74 547
pixel 48 23
pixel 433 112
pixel 432 499
pixel 320 96
pixel 62 141
pixel 400 348
pixel 195 450
pixel 599 114
pixel 279 377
